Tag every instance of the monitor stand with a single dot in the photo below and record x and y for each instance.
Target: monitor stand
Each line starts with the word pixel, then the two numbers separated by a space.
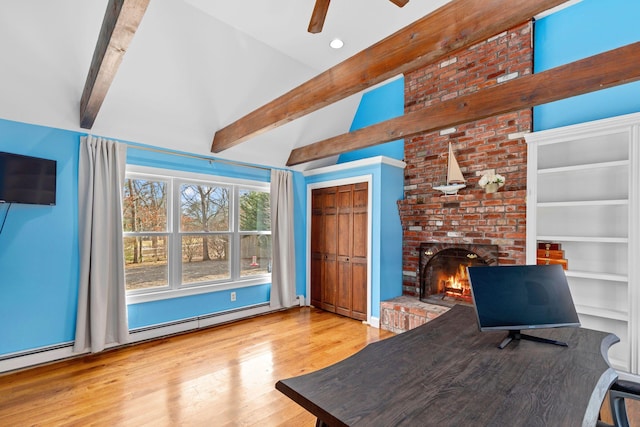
pixel 516 335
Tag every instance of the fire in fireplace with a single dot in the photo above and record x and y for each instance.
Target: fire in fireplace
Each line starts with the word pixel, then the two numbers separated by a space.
pixel 443 270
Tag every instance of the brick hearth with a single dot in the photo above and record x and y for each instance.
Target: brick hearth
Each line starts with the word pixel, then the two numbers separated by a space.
pixel 403 313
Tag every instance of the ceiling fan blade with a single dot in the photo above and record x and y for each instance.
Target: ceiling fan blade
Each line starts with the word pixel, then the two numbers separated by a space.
pixel 319 14
pixel 399 3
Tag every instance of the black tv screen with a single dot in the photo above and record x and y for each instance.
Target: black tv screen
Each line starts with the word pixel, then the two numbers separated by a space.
pixel 25 179
pixel 522 297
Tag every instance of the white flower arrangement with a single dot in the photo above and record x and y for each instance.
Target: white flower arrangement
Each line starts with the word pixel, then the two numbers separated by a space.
pixel 490 178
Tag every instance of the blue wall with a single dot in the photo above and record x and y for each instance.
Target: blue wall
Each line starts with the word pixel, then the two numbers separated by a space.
pixel 39 259
pixel 582 30
pixel 300 231
pixel 377 105
pixel 157 312
pixel 386 241
pixel 390 272
pixel 170 310
pixel 167 310
pixel 38 247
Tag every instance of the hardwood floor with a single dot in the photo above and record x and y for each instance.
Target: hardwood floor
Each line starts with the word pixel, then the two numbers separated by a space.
pixel 222 376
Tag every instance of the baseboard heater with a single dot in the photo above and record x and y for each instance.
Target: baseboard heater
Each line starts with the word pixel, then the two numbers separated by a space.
pixel 36 351
pixel 199 319
pixel 37 356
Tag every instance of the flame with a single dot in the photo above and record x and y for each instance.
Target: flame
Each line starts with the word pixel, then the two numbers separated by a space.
pixel 457 285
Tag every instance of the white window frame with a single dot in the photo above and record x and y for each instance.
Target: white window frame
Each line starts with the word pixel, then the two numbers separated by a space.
pixel 175 288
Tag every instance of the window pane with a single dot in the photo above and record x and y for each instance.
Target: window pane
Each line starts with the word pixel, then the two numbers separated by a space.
pixel 255 255
pixel 144 205
pixel 205 258
pixel 255 211
pixel 204 208
pixel 145 262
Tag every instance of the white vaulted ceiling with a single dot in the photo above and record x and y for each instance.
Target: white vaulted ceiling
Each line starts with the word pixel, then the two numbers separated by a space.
pixel 193 67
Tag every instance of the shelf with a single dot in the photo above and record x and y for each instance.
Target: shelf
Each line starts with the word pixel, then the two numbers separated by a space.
pixel 581 203
pixel 584 239
pixel 597 276
pixel 603 313
pixel 584 193
pixel 585 167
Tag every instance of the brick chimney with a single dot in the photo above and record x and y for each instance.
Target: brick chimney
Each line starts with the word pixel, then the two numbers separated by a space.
pixel 493 144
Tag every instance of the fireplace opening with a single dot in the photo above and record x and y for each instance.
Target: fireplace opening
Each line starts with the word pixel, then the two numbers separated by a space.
pixel 443 270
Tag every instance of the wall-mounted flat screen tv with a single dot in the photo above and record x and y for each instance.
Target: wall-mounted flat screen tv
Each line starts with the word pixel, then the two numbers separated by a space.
pixel 520 297
pixel 25 179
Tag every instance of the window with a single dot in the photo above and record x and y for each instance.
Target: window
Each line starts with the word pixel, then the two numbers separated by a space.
pixel 145 234
pixel 205 232
pixel 186 233
pixel 255 235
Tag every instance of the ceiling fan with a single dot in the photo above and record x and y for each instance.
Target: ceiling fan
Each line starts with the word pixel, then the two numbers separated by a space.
pixel 320 13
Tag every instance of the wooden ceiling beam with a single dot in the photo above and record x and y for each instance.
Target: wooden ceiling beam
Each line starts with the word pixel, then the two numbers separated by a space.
pixel 454 26
pixel 400 3
pixel 598 72
pixel 120 22
pixel 318 16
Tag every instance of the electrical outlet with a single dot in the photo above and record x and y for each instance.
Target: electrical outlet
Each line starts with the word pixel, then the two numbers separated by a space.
pixel 233 296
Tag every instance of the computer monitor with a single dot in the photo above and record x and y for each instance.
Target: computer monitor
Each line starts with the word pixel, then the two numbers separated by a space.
pixel 520 297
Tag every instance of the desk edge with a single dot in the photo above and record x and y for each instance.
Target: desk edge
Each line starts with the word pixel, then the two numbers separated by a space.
pixel 604 383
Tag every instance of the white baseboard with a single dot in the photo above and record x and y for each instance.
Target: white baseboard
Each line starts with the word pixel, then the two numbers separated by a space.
pixel 234 315
pixel 375 322
pixel 160 331
pixel 20 360
pixel 301 300
pixel 36 357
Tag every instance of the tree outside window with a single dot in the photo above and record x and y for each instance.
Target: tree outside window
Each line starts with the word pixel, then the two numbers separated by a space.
pixel 205 232
pixel 255 233
pixel 182 233
pixel 145 241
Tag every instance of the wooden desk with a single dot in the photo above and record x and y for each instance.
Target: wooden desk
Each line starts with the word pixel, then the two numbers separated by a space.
pixel 448 373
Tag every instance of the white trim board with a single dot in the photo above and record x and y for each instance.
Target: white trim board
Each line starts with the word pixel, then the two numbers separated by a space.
pixel 371 161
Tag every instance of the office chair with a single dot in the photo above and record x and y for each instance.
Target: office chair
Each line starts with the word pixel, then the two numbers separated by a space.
pixel 619 391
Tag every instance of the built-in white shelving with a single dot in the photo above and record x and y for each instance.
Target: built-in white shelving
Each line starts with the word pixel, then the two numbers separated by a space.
pixel 583 203
pixel 583 191
pixel 597 276
pixel 588 166
pixel 603 313
pixel 558 238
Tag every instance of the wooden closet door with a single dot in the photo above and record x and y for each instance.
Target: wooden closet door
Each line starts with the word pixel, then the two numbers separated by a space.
pixel 345 248
pixel 317 247
pixel 329 273
pixel 359 251
pixel 339 224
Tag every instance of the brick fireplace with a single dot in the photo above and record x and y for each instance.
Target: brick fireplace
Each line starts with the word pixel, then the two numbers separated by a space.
pixel 442 270
pixel 471 217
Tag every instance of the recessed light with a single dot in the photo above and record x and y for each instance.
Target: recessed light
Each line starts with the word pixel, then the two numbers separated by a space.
pixel 336 43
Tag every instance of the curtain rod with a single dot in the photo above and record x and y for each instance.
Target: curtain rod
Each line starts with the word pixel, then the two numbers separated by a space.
pixel 196 156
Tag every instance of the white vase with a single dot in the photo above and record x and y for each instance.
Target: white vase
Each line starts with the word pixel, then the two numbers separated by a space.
pixel 491 187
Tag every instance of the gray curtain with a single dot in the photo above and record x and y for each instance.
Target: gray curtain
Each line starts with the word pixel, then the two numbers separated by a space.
pixel 102 309
pixel 283 273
